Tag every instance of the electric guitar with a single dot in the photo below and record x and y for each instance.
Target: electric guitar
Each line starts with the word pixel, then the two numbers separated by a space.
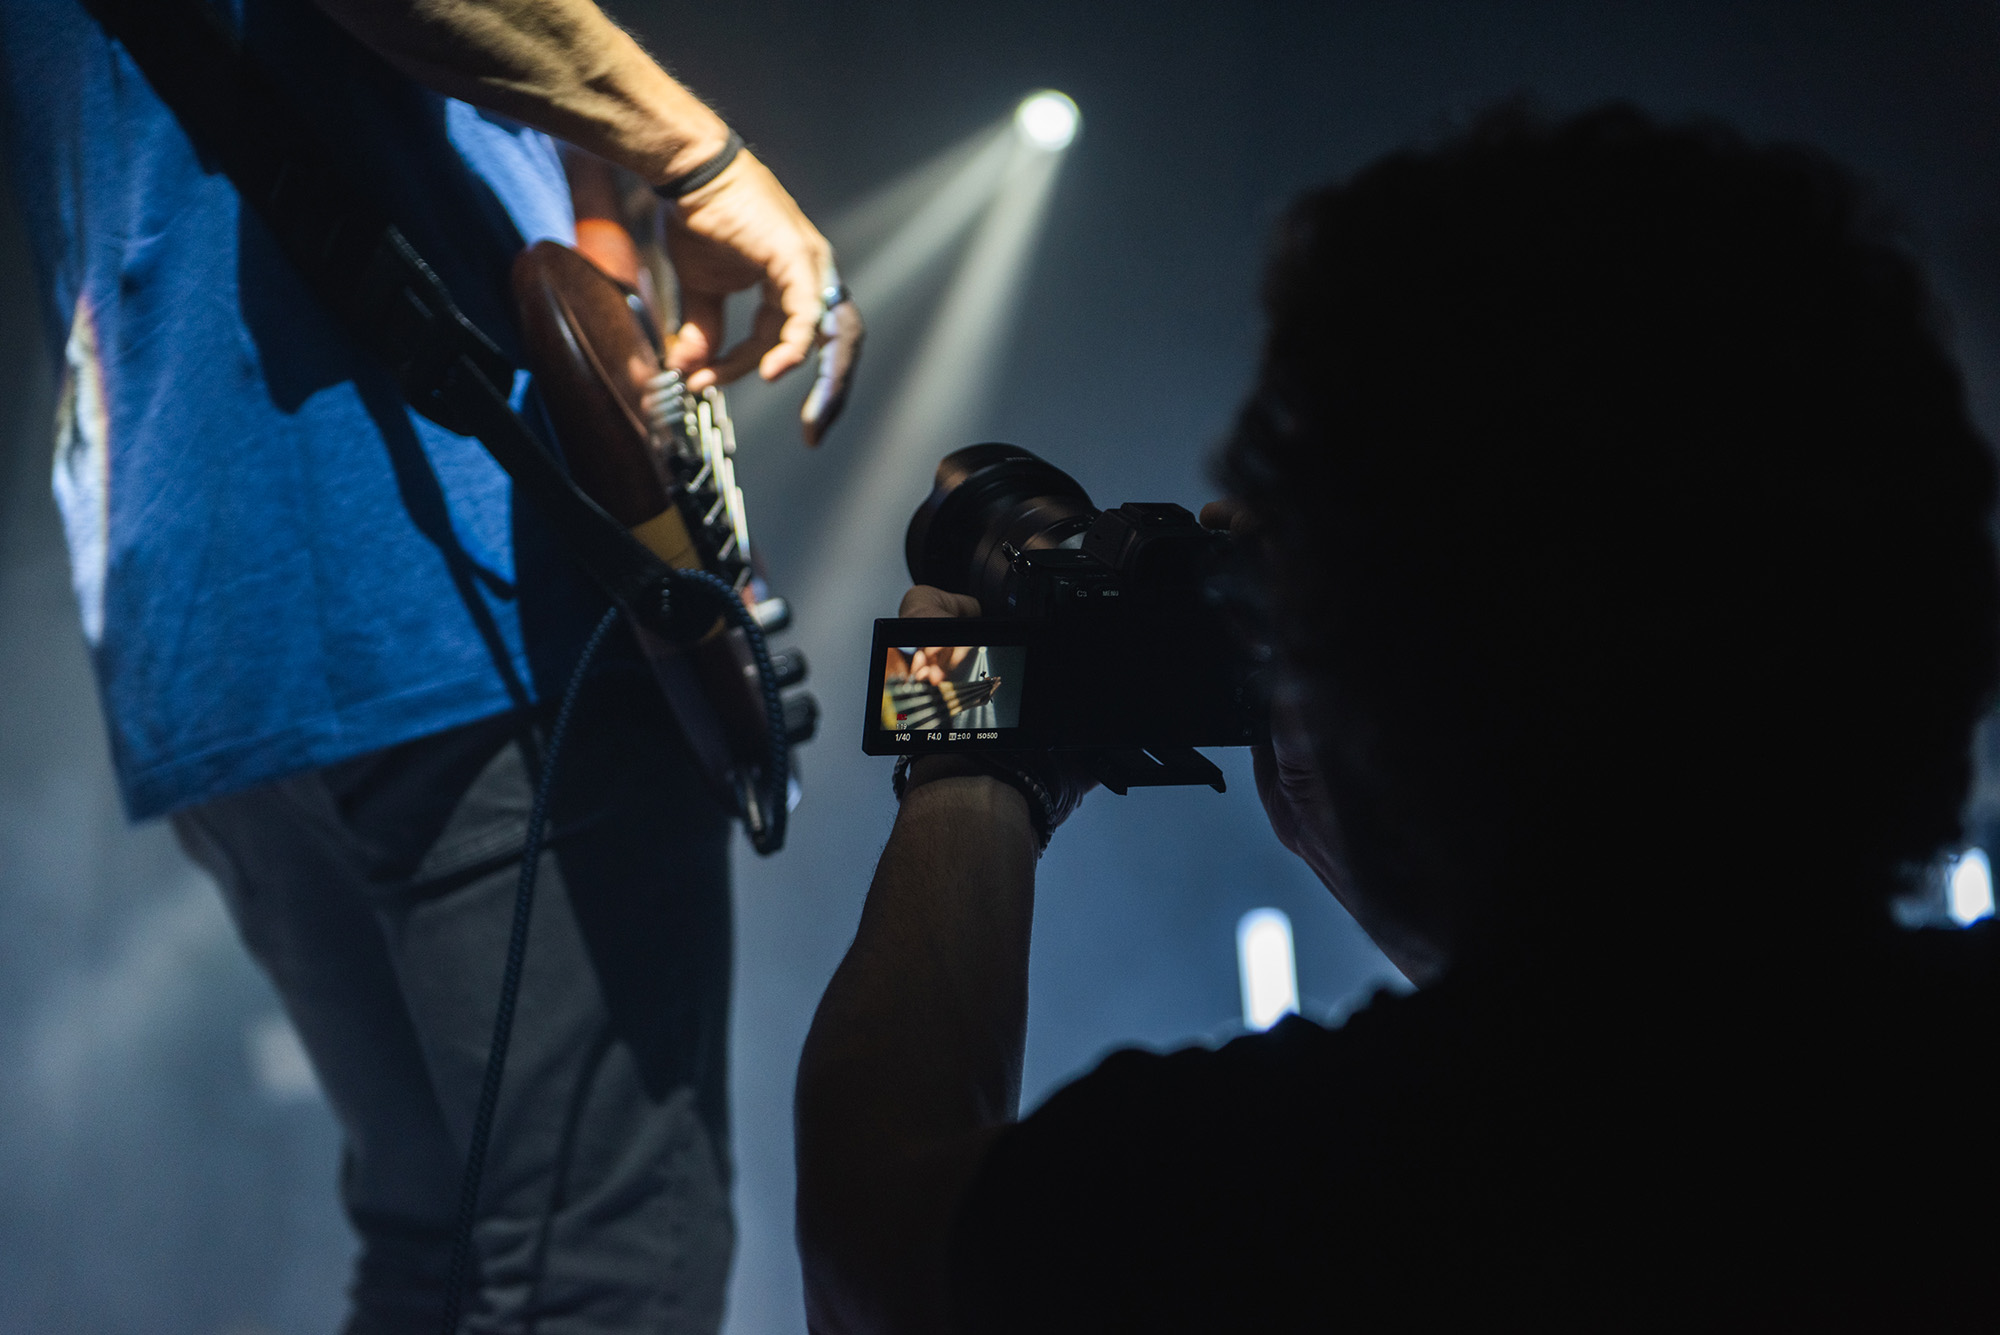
pixel 659 459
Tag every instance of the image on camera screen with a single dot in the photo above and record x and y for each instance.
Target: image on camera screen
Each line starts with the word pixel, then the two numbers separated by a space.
pixel 973 688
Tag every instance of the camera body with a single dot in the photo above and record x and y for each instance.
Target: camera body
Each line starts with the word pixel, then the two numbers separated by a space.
pixel 1102 632
pixel 1143 559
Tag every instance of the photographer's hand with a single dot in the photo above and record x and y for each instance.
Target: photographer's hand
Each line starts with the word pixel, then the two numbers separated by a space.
pixel 1292 784
pixel 1293 791
pixel 1289 782
pixel 924 601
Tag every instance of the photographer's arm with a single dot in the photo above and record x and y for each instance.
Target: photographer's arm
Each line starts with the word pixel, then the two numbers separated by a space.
pixel 914 1058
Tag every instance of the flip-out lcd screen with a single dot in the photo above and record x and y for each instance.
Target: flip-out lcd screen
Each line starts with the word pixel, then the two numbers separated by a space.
pixel 944 684
pixel 965 692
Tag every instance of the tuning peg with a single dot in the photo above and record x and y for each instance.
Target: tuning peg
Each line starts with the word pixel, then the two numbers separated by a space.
pixel 801 718
pixel 789 667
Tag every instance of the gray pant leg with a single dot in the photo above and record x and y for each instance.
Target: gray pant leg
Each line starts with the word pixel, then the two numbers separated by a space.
pixel 378 894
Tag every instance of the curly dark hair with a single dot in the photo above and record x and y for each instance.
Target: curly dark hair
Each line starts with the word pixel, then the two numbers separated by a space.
pixel 1621 492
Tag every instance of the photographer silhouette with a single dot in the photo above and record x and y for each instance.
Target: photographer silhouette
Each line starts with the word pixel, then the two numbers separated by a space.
pixel 1617 507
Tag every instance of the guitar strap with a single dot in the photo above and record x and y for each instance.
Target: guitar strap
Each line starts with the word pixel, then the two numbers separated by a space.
pixel 353 257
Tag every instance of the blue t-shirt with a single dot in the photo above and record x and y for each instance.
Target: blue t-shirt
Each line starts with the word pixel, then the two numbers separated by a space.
pixel 278 564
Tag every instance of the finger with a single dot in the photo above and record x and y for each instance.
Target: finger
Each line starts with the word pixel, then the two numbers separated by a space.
pixel 1229 513
pixel 1264 769
pixel 736 363
pixel 1291 739
pixel 1271 792
pixel 925 601
pixel 700 333
pixel 798 285
pixel 796 336
pixel 843 330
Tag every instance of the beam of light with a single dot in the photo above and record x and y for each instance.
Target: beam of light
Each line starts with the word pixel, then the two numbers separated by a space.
pixel 1265 965
pixel 1969 892
pixel 938 403
pixel 886 244
pixel 887 217
pixel 1048 119
pixel 886 275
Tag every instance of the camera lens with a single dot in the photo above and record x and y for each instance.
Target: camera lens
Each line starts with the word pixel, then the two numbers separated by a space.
pixel 987 502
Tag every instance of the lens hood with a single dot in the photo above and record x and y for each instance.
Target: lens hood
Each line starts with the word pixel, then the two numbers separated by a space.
pixel 979 498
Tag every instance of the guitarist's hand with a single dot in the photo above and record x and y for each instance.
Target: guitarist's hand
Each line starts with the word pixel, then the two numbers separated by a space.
pixel 742 230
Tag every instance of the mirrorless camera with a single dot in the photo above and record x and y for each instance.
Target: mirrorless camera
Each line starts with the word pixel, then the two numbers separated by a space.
pixel 1103 630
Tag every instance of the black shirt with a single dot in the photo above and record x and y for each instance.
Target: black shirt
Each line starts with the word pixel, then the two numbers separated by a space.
pixel 1674 1145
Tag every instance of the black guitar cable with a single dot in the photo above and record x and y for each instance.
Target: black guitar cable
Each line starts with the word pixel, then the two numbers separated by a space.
pixel 510 988
pixel 775 782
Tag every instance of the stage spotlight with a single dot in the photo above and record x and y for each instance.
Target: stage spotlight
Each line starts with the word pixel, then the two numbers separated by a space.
pixel 1048 120
pixel 1970 895
pixel 1265 967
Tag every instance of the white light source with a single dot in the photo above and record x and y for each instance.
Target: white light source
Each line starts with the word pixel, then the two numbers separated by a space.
pixel 943 391
pixel 1264 961
pixel 1969 895
pixel 1048 119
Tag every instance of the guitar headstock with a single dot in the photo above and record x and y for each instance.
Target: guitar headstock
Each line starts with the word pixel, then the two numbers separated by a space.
pixel 694 443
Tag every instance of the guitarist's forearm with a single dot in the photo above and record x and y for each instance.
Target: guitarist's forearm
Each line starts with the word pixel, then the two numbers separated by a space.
pixel 558 65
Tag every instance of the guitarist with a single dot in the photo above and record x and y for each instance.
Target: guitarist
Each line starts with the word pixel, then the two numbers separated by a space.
pixel 325 633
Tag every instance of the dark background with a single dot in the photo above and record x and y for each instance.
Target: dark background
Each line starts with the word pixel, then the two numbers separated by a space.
pixel 162 1167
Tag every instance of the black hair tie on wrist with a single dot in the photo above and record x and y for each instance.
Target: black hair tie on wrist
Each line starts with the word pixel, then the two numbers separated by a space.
pixel 690 181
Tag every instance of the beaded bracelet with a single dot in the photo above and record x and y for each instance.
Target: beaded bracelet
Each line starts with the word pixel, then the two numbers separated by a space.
pixel 960 765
